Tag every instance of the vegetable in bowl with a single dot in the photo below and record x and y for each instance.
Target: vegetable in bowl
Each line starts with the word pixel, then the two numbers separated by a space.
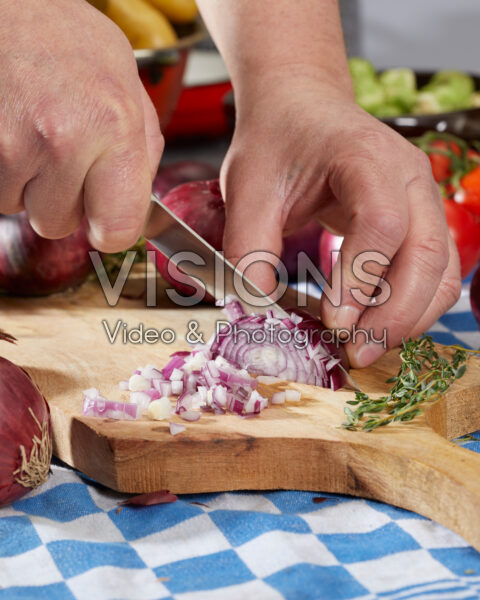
pixel 395 92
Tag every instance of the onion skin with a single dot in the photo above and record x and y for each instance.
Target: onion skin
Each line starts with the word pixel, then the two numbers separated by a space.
pixel 475 295
pixel 33 266
pixel 171 176
pixel 20 399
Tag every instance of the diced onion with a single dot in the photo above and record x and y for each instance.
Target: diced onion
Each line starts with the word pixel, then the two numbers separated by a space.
pixel 138 383
pixel 159 409
pixel 278 398
pixel 176 428
pixel 292 396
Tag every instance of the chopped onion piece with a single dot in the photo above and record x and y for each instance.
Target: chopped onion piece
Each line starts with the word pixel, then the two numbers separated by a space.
pixel 123 385
pixel 292 396
pixel 190 415
pixel 160 409
pixel 176 428
pixel 141 399
pixel 195 362
pixel 138 383
pixel 177 388
pixel 256 403
pixel 163 386
pixel 176 375
pixel 278 398
pixel 151 372
pixel 177 360
pixel 107 409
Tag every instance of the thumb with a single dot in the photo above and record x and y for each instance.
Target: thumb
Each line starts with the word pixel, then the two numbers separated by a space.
pixel 253 227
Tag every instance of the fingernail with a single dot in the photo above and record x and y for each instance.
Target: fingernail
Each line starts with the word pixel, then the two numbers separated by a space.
pixel 368 354
pixel 345 317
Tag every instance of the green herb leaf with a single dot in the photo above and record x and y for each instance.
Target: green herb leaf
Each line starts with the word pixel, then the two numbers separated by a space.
pixel 423 376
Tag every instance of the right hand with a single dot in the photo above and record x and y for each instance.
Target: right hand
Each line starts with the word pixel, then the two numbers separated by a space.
pixel 78 133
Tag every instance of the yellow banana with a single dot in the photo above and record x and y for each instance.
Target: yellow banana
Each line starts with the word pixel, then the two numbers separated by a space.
pixel 144 26
pixel 177 11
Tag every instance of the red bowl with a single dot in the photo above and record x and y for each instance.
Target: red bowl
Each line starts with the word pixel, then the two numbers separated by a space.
pixel 161 71
pixel 200 111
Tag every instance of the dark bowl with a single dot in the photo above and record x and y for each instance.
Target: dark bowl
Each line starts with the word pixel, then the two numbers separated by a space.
pixel 465 122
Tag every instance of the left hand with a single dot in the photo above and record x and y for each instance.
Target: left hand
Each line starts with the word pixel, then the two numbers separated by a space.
pixel 305 150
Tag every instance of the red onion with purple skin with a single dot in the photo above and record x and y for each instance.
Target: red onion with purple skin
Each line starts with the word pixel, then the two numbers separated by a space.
pixel 200 205
pixel 33 266
pixel 171 176
pixel 25 433
pixel 475 295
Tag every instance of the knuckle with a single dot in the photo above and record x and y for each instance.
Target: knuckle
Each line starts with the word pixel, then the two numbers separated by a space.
pixel 375 141
pixel 55 134
pixel 387 225
pixel 11 153
pixel 157 144
pixel 118 112
pixel 421 162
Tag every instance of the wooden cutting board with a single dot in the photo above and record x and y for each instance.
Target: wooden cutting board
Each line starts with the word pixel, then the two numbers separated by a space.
pixel 63 345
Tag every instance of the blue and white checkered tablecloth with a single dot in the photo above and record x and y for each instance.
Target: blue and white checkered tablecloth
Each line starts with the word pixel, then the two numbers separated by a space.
pixel 69 540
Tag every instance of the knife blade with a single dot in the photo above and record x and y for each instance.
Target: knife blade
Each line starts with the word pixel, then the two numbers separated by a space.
pixel 195 257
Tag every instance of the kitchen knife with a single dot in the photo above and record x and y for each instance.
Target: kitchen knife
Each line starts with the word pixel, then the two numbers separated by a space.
pixel 195 257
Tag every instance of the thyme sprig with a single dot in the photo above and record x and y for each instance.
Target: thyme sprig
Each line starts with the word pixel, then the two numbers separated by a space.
pixel 423 375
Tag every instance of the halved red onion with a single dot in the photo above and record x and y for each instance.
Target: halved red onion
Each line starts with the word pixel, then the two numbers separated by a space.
pixel 297 349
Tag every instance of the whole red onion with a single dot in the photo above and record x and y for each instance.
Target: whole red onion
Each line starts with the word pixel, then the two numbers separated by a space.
pixel 328 243
pixel 25 434
pixel 200 205
pixel 475 295
pixel 170 176
pixel 33 266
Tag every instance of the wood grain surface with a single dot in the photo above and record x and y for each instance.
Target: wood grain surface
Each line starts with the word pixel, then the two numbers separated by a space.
pixel 64 346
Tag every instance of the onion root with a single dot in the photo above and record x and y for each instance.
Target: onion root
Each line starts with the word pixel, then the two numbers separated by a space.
pixel 34 471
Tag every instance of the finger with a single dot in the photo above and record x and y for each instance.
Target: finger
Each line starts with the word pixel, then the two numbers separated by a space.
pixel 17 167
pixel 375 202
pixel 446 295
pixel 54 198
pixel 153 135
pixel 117 196
pixel 253 224
pixel 414 276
